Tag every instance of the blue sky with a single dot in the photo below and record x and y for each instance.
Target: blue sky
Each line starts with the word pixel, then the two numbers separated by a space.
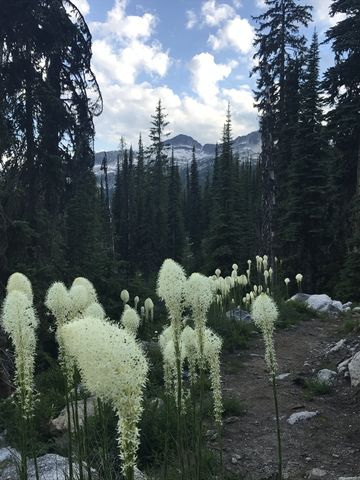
pixel 193 54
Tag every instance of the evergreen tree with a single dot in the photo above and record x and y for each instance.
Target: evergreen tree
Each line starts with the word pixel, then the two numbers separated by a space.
pixel 278 43
pixel 176 222
pixel 304 228
pixel 157 191
pixel 342 84
pixel 223 240
pixel 195 212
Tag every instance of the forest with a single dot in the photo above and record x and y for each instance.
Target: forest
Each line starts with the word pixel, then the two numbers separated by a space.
pixel 248 227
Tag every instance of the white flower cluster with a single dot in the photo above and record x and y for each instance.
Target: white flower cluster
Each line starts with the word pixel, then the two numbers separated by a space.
pixel 130 321
pixel 20 322
pixel 199 347
pixel 265 313
pixel 114 368
pixel 66 305
pixel 148 309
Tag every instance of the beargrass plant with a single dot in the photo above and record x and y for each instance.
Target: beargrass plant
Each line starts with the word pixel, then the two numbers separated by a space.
pixel 66 305
pixel 265 313
pixel 20 322
pixel 197 347
pixel 114 368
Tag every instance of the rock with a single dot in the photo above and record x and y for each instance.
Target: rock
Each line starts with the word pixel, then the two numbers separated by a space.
pixel 349 478
pixel 326 376
pixel 347 305
pixel 282 376
pixel 300 297
pixel 342 366
pixel 338 305
pixel 59 424
pixel 338 346
pixel 231 420
pixel 9 455
pixel 139 475
pixel 239 315
pixel 51 467
pixel 317 473
pixel 320 303
pixel 356 309
pixel 354 370
pixel 3 439
pixel 301 416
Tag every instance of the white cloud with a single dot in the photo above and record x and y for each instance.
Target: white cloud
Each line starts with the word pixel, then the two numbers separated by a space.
pixel 82 5
pixel 237 33
pixel 260 3
pixel 191 19
pixel 206 74
pixel 321 13
pixel 125 52
pixel 214 13
pixel 127 63
pixel 125 27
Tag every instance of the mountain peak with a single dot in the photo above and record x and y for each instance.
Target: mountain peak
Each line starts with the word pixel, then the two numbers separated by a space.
pixel 182 140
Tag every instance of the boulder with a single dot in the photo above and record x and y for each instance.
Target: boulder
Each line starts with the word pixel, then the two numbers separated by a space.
pixel 356 309
pixel 326 376
pixel 59 424
pixel 342 366
pixel 354 370
pixel 349 478
pixel 338 346
pixel 317 473
pixel 239 315
pixel 301 416
pixel 320 303
pixel 300 297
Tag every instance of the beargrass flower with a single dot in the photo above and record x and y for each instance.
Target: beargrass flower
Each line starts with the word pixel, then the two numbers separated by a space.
pixel 58 302
pixel 136 302
pixel 20 283
pixel 95 310
pixel 287 281
pixel 235 267
pixel 89 288
pixel 125 297
pixel 149 309
pixel 218 272
pixel 265 313
pixel 114 368
pixel 130 321
pixel 20 322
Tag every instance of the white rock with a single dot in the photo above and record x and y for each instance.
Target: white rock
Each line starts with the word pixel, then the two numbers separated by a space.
pixel 338 346
pixel 347 305
pixel 354 370
pixel 356 309
pixel 8 454
pixel 342 366
pixel 60 423
pixel 317 473
pixel 349 478
pixel 282 376
pixel 338 305
pixel 326 376
pixel 138 474
pixel 50 466
pixel 321 302
pixel 300 416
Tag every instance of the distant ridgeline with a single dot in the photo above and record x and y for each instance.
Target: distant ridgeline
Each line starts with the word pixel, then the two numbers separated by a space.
pixel 247 147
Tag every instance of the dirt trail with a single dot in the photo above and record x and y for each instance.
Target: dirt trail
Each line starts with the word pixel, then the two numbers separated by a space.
pixel 329 441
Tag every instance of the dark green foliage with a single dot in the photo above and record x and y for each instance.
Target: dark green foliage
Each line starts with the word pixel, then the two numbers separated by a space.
pixel 223 241
pixel 235 335
pixel 293 312
pixel 342 84
pixel 280 47
pixel 314 388
pixel 176 232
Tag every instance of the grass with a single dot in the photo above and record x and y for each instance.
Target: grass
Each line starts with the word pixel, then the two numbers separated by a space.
pixel 293 312
pixel 235 334
pixel 233 406
pixel 315 388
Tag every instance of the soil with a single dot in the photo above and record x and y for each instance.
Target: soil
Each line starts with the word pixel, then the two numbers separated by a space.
pixel 329 441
